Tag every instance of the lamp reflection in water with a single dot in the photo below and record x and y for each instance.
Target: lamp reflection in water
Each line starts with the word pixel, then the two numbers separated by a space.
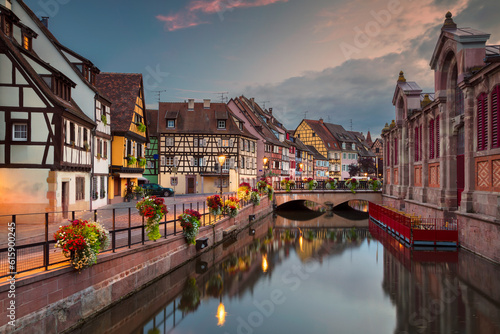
pixel 265 265
pixel 221 314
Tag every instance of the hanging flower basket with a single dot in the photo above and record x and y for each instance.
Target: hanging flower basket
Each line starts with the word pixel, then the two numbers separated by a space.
pixel 310 183
pixel 244 190
pixel 152 208
pixel 352 184
pixel 262 186
pixel 190 299
pixel 190 222
pixel 215 205
pixel 231 206
pixel 287 184
pixel 255 197
pixel 81 241
pixel 331 184
pixel 374 184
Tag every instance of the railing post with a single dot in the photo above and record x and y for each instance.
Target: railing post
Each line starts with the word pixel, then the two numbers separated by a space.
pixel 13 268
pixel 175 219
pixel 113 240
pixel 72 215
pixel 95 215
pixel 46 248
pixel 165 219
pixel 129 230
pixel 143 230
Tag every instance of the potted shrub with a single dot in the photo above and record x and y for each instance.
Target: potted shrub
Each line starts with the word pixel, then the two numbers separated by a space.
pixel 287 183
pixel 374 184
pixel 142 162
pixel 131 160
pixel 190 222
pixel 352 184
pixel 152 208
pixel 81 241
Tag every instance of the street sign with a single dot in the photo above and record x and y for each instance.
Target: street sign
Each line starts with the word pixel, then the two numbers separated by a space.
pixel 155 156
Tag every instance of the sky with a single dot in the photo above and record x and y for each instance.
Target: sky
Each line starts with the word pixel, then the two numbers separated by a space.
pixel 333 59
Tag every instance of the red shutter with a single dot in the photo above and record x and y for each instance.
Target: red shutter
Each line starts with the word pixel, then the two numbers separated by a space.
pixel 495 135
pixel 437 137
pixel 431 139
pixel 482 122
pixel 415 144
pixel 395 151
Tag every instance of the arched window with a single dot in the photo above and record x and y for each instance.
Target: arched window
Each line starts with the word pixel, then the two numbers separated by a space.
pixel 482 122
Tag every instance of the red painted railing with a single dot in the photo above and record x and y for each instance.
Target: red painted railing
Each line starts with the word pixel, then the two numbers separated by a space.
pixel 415 230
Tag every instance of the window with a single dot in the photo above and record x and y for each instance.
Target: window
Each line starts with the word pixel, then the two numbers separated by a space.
pixel 171 123
pixel 377 150
pixel 95 194
pixel 395 151
pixel 253 147
pixel 353 146
pixel 431 139
pixel 343 146
pixel 416 144
pixel 80 188
pixel 72 133
pixel 221 124
pixel 344 156
pixel 169 141
pixel 20 132
pixel 482 122
pixel 437 137
pixel 26 42
pixel 103 186
pixel 169 161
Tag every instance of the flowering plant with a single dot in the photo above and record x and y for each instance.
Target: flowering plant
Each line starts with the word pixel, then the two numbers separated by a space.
pixel 231 206
pixel 287 183
pixel 331 184
pixel 152 208
pixel 190 299
pixel 255 197
pixel 262 185
pixel 190 222
pixel 82 241
pixel 244 191
pixel 270 192
pixel 352 184
pixel 310 183
pixel 215 205
pixel 374 184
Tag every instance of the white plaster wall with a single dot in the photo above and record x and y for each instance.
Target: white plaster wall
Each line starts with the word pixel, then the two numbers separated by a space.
pixel 71 178
pixel 23 186
pixel 2 154
pixel 2 125
pixel 6 72
pixel 19 114
pixel 20 80
pixel 39 132
pixel 31 99
pixel 9 96
pixel 22 154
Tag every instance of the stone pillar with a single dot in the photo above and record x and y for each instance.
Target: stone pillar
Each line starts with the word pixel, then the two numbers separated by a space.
pixel 449 159
pixel 467 204
pixel 425 157
pixel 410 156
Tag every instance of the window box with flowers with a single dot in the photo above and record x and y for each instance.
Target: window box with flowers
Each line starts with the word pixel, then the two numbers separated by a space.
pixel 104 119
pixel 86 146
pixel 131 160
pixel 231 206
pixel 141 127
pixel 310 183
pixel 215 205
pixel 81 241
pixel 152 208
pixel 255 197
pixel 352 184
pixel 190 222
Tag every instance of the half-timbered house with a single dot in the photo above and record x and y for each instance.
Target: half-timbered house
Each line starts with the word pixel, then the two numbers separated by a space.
pixel 46 118
pixel 152 152
pixel 128 129
pixel 193 136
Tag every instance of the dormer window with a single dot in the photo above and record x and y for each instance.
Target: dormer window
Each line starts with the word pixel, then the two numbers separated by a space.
pixel 7 26
pixel 171 123
pixel 27 42
pixel 221 124
pixel 58 86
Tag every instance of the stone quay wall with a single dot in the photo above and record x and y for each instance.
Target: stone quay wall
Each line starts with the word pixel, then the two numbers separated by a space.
pixel 57 299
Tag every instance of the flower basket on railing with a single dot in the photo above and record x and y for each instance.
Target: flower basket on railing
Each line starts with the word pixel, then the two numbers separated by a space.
pixel 152 208
pixel 287 183
pixel 262 186
pixel 190 222
pixel 255 197
pixel 331 184
pixel 352 184
pixel 142 162
pixel 244 190
pixel 81 241
pixel 374 184
pixel 215 205
pixel 231 206
pixel 310 183
pixel 270 192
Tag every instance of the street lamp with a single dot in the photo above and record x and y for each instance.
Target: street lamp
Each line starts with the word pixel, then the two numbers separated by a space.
pixel 222 159
pixel 265 160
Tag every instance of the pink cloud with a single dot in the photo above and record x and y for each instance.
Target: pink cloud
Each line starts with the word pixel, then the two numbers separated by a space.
pixel 190 16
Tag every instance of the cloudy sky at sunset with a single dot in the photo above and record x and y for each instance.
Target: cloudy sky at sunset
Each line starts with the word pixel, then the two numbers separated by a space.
pixel 336 59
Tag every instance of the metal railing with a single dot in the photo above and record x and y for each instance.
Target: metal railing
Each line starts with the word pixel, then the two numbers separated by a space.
pixel 35 245
pixel 302 185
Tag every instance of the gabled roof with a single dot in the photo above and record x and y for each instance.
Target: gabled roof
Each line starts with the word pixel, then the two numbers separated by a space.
pixel 200 120
pixel 315 153
pixel 341 134
pixel 321 130
pixel 122 89
pixel 362 146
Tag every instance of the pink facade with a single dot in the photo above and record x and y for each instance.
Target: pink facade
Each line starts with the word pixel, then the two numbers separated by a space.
pixel 442 152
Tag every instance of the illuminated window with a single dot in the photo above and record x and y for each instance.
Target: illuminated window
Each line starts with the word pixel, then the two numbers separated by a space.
pixel 26 42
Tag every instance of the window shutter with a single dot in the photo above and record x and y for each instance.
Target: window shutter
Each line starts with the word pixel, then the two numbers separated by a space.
pixel 162 160
pixel 231 142
pixel 495 135
pixel 192 161
pixel 438 142
pixel 231 163
pixel 219 142
pixel 431 139
pixel 482 122
pixel 176 161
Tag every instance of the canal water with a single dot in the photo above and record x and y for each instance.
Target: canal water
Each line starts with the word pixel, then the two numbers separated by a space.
pixel 332 272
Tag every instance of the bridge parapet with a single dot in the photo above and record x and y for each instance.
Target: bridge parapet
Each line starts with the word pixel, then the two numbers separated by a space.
pixel 327 197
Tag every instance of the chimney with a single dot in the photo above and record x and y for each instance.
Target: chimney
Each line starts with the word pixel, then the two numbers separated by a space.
pixel 252 100
pixel 206 104
pixel 190 104
pixel 271 111
pixel 45 21
pixel 321 120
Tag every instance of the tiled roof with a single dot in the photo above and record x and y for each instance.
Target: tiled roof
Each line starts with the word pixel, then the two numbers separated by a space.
pixel 315 153
pixel 152 119
pixel 341 134
pixel 321 130
pixel 200 120
pixel 122 89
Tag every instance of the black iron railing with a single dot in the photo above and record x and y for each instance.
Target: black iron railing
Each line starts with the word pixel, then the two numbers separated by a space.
pixel 302 185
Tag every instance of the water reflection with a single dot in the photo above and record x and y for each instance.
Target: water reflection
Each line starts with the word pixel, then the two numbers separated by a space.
pixel 300 276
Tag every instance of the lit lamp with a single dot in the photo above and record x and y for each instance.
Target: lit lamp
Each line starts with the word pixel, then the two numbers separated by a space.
pixel 265 160
pixel 222 159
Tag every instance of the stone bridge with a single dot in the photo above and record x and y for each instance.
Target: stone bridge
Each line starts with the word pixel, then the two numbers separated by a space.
pixel 327 198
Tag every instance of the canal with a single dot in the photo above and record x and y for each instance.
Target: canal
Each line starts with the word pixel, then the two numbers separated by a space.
pixel 332 272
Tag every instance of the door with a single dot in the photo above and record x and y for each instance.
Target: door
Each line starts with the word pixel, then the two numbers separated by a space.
pixel 65 198
pixel 190 184
pixel 117 182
